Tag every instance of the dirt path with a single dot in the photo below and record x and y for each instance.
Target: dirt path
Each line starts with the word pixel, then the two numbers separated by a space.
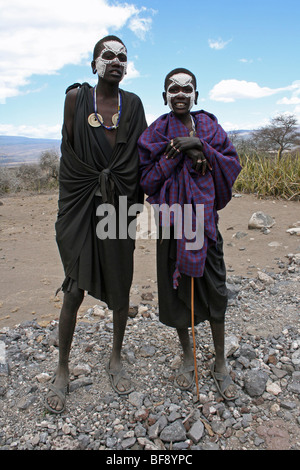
pixel 31 269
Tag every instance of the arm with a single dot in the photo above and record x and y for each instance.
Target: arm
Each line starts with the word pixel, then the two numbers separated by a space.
pixel 221 154
pixel 69 111
pixel 155 167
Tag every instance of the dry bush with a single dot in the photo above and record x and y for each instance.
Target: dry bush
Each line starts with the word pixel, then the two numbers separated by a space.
pixel 8 180
pixel 41 176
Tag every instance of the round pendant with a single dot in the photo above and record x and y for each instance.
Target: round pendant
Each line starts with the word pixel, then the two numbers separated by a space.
pixel 93 121
pixel 115 118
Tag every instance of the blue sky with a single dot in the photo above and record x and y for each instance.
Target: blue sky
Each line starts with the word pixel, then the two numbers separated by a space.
pixel 245 55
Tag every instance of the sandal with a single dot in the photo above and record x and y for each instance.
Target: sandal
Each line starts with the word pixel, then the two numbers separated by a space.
pixel 60 393
pixel 115 377
pixel 222 381
pixel 185 371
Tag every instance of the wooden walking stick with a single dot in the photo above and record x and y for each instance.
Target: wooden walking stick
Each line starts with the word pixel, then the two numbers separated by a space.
pixel 193 332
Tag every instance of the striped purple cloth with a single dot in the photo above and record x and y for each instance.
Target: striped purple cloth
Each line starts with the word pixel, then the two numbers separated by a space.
pixel 174 181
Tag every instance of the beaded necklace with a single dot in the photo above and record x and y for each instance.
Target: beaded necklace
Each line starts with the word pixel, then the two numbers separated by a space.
pixel 96 120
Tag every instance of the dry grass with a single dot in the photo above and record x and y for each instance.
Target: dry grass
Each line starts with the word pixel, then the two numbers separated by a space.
pixel 267 176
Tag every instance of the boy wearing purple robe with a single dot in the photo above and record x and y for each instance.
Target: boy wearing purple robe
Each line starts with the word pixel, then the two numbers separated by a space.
pixel 187 160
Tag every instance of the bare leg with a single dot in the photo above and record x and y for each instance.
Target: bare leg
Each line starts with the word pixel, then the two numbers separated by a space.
pixel 183 379
pixel 120 317
pixel 218 334
pixel 67 321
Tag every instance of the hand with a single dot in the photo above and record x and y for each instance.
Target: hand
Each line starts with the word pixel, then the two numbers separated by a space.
pixel 182 144
pixel 200 163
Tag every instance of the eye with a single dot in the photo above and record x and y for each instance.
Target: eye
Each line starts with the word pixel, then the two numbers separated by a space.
pixel 187 89
pixel 108 55
pixel 174 89
pixel 122 57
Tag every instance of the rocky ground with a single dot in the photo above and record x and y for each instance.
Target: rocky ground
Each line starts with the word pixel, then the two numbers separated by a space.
pixel 263 353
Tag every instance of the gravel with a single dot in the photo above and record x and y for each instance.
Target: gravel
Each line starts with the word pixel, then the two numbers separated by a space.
pixel 263 355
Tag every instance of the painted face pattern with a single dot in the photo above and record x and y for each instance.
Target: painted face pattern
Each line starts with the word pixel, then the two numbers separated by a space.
pixel 182 80
pixel 120 53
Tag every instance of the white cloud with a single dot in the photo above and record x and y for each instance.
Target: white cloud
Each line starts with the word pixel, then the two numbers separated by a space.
pixel 140 26
pixel 244 125
pixel 246 61
pixel 296 112
pixel 218 44
pixel 41 37
pixel 231 90
pixel 38 132
pixel 295 98
pixel 292 100
pixel 43 131
pixel 132 72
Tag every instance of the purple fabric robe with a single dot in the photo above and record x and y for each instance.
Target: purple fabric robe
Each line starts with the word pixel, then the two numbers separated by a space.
pixel 174 181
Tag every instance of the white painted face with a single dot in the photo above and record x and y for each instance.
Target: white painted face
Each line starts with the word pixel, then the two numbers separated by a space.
pixel 112 51
pixel 182 80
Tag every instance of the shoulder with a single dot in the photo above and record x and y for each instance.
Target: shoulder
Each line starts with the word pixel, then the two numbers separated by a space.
pixel 71 96
pixel 205 117
pixel 157 129
pixel 131 97
pixel 72 92
pixel 208 125
pixel 77 86
pixel 209 129
pixel 160 122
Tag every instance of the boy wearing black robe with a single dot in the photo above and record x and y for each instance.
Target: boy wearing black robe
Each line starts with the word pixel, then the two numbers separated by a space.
pixel 99 164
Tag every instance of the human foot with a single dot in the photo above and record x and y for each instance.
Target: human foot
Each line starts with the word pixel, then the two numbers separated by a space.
pixel 55 401
pixel 185 376
pixel 119 379
pixel 224 383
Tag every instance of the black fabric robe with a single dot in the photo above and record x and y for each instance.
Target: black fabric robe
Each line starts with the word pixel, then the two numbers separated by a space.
pixel 210 291
pixel 92 167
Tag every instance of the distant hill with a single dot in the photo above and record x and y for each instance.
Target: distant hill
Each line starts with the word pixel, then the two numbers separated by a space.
pixel 241 133
pixel 17 150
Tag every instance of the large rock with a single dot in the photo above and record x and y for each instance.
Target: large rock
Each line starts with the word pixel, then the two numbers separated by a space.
pixel 174 432
pixel 197 431
pixel 255 382
pixel 260 220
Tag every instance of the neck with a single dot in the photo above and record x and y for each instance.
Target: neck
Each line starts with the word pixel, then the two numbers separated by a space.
pixel 184 118
pixel 107 89
pixel 187 121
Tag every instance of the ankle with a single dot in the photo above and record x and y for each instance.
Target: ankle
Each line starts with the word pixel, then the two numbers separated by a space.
pixel 188 356
pixel 220 363
pixel 62 372
pixel 115 361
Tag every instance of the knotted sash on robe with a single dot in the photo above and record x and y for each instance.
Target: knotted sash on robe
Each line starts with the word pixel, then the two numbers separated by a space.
pixel 171 181
pixel 93 166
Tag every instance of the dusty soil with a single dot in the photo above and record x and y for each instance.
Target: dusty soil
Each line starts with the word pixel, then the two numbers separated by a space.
pixel 31 269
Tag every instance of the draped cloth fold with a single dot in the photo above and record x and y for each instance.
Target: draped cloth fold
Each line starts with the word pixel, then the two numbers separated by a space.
pixel 92 173
pixel 107 186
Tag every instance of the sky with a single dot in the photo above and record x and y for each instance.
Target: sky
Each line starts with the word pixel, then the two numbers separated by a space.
pixel 245 55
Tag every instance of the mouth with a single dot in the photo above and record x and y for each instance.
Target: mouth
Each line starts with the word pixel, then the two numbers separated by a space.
pixel 180 105
pixel 116 73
